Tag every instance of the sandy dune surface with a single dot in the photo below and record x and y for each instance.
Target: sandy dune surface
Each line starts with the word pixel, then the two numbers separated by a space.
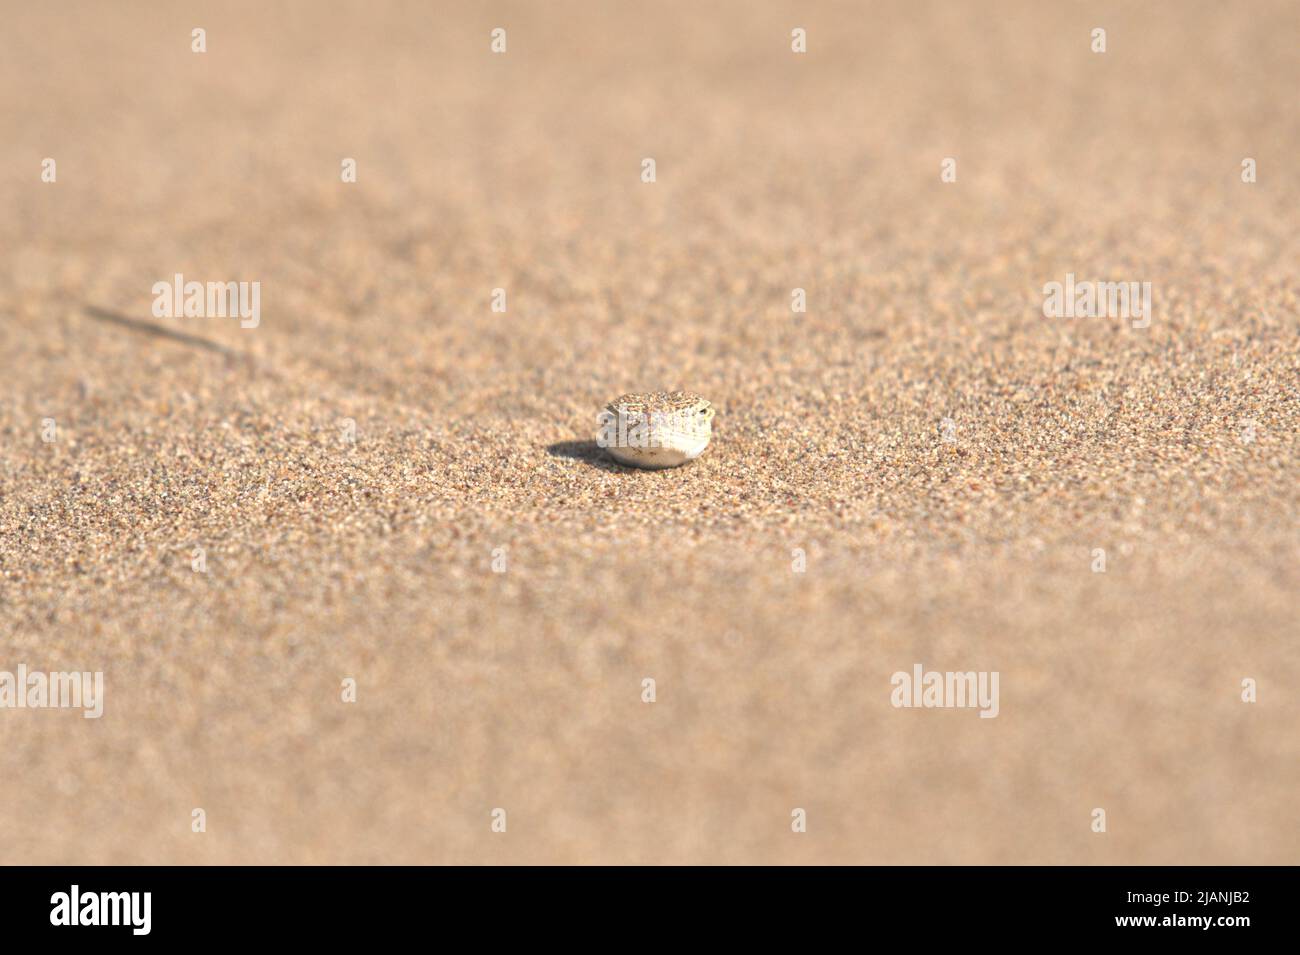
pixel 920 468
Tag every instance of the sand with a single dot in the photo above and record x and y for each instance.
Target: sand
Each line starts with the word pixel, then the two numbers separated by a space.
pixel 941 459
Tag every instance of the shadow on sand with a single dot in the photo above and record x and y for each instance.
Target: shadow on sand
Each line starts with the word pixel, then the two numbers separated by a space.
pixel 156 330
pixel 588 452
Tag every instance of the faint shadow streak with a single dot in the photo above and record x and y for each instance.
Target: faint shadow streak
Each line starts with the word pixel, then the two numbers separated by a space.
pixel 156 330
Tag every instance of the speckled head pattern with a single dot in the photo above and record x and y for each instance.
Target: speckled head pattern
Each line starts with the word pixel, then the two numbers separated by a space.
pixel 656 429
